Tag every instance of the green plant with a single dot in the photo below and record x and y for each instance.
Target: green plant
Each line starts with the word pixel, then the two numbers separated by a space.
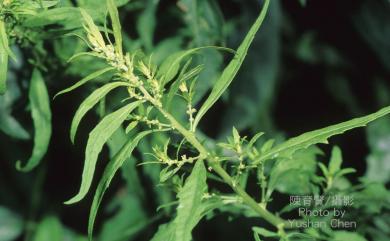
pixel 150 91
pixel 161 100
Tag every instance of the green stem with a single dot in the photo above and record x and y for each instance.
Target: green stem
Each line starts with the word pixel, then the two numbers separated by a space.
pixel 215 165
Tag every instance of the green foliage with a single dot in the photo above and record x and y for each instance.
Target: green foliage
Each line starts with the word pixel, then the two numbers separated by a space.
pixel 85 80
pixel 11 225
pixel 153 130
pixel 41 115
pixel 109 174
pixel 189 209
pixel 3 58
pixel 231 70
pixel 288 148
pixel 97 138
pixel 89 103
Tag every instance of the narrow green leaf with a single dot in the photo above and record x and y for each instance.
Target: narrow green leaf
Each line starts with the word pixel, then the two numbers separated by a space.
pixel 264 232
pixel 190 198
pixel 131 126
pixel 182 77
pixel 41 115
pixel 97 138
pixel 190 209
pixel 90 102
pixel 109 173
pixel 288 148
pixel 231 70
pixel 84 80
pixel 3 60
pixel 146 23
pixel 3 68
pixel 4 40
pixel 93 54
pixel 176 84
pixel 170 67
pixel 254 139
pixel 335 160
pixel 116 26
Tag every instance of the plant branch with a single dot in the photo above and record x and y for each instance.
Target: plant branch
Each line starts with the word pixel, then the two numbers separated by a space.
pixel 268 216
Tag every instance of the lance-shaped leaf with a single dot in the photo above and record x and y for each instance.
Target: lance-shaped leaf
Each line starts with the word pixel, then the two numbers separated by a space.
pixel 288 148
pixel 190 202
pixel 84 80
pixel 170 67
pixel 89 103
pixel 231 70
pixel 146 23
pixel 190 209
pixel 116 26
pixel 109 173
pixel 97 138
pixel 41 115
pixel 3 60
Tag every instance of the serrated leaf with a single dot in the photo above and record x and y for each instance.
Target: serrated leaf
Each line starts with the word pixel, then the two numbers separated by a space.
pixel 109 173
pixel 97 138
pixel 288 148
pixel 190 198
pixel 116 26
pixel 89 103
pixel 231 70
pixel 335 160
pixel 189 210
pixel 167 173
pixel 85 80
pixel 294 175
pixel 41 115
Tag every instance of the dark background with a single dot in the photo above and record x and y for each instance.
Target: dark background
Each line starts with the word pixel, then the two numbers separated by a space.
pixel 308 94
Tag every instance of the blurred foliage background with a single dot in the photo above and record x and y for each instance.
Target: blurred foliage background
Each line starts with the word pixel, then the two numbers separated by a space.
pixel 313 63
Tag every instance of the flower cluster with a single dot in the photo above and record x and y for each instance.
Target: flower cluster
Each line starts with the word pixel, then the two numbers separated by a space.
pixel 149 90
